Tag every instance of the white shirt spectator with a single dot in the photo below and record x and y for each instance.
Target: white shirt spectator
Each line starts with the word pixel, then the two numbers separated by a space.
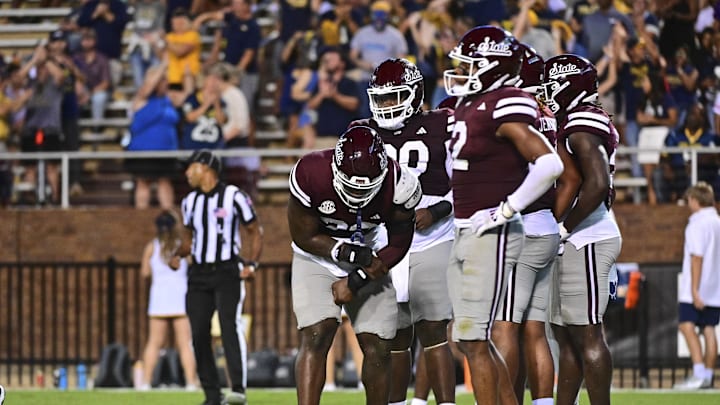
pixel 238 114
pixel 702 238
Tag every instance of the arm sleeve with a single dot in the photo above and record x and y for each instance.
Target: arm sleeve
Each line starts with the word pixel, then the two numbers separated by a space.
pixel 543 173
pixel 695 240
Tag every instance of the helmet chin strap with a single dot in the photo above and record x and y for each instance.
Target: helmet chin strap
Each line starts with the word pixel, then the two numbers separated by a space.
pixel 358 236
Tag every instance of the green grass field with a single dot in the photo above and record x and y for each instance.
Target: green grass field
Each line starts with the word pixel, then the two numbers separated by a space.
pixel 283 397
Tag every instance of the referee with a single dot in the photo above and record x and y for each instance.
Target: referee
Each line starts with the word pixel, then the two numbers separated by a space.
pixel 212 214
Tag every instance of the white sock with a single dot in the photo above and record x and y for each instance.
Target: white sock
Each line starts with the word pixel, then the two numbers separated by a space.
pixel 708 373
pixel 699 370
pixel 444 403
pixel 398 403
pixel 542 401
pixel 418 401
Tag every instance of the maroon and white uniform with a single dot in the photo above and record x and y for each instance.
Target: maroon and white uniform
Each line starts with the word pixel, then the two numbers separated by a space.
pixel 594 121
pixel 311 184
pixel 421 145
pixel 486 167
pixel 528 289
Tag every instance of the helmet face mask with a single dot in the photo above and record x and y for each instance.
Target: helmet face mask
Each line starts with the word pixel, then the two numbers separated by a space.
pixel 359 166
pixel 391 106
pixel 396 92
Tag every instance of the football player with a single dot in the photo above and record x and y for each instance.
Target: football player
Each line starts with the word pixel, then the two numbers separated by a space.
pixel 523 311
pixel 493 140
pixel 586 143
pixel 418 140
pixel 339 199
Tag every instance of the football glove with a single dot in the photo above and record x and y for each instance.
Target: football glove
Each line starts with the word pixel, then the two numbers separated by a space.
pixel 484 220
pixel 352 253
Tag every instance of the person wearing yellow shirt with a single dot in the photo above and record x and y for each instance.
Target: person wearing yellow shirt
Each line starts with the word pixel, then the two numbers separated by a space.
pixel 183 47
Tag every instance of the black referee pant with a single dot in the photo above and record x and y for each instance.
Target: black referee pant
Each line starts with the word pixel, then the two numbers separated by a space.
pixel 210 287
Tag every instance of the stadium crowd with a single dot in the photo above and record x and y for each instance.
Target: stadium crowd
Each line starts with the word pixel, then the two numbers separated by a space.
pixel 657 63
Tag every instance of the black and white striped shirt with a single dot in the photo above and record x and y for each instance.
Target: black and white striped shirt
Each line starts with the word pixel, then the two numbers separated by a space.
pixel 214 219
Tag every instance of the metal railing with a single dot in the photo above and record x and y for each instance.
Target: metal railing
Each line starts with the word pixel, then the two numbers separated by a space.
pixel 65 158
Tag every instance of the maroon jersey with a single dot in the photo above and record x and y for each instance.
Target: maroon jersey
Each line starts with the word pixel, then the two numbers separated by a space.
pixel 547 125
pixel 311 183
pixel 595 121
pixel 421 146
pixel 486 167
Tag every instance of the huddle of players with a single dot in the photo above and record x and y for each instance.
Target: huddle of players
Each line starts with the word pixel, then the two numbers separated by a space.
pixel 469 206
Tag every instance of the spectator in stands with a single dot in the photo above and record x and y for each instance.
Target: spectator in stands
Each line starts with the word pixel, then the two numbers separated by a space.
pixel 485 11
pixel 699 286
pixel 107 18
pixel 6 174
pixel 183 47
pixel 580 10
pixel 239 40
pixel 172 5
pixel 334 101
pixel 16 89
pixel 241 171
pixel 148 23
pixel 153 127
pixel 634 72
pixel 372 44
pixel 597 28
pixel 70 27
pixel 73 77
pixel 337 25
pixel 296 16
pixel 694 132
pixel 425 28
pixel 707 81
pixel 42 131
pixel 527 28
pixel 299 55
pixel 678 26
pixel 95 67
pixel 203 113
pixel 166 303
pixel 682 78
pixel 657 109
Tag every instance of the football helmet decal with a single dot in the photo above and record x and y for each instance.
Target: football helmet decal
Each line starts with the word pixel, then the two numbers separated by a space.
pixel 488 57
pixel 568 81
pixel 359 166
pixel 531 70
pixel 396 92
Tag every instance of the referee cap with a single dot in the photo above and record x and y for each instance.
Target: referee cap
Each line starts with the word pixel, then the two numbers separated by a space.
pixel 206 157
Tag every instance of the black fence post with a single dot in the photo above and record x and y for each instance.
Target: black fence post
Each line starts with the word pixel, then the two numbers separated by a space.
pixel 110 327
pixel 643 335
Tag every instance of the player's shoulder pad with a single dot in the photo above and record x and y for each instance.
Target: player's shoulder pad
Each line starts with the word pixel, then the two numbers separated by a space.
pixel 408 191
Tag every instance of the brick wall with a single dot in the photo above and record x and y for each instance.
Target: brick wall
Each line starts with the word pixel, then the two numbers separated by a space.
pixel 650 234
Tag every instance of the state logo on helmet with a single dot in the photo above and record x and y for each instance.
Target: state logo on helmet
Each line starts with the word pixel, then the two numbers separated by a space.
pixel 359 166
pixel 396 92
pixel 487 57
pixel 569 81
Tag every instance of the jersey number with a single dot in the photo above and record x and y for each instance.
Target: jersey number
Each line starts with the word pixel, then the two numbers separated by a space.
pixel 413 154
pixel 459 137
